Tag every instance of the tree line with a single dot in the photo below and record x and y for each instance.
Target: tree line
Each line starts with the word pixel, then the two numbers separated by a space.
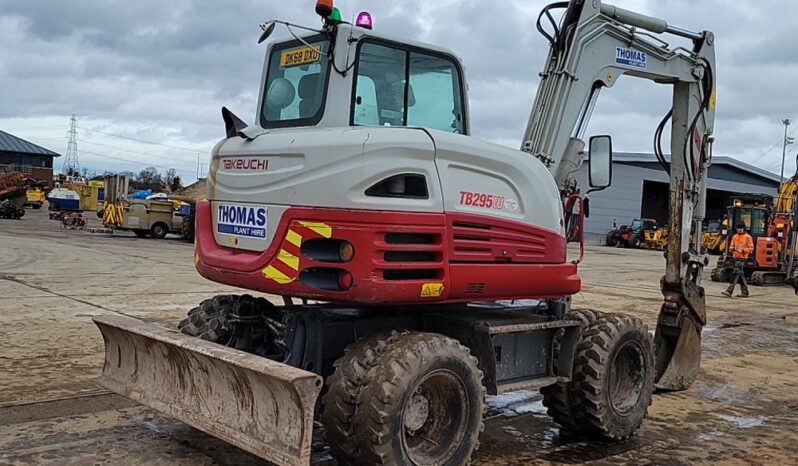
pixel 148 178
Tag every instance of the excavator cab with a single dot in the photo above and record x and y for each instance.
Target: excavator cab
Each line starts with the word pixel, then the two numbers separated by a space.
pixel 351 75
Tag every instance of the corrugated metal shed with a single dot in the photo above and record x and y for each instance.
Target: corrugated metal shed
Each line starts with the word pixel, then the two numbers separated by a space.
pixel 11 143
pixel 639 189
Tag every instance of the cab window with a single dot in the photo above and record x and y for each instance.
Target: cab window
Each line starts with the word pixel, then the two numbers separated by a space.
pixel 435 85
pixel 296 81
pixel 397 87
pixel 755 220
pixel 758 225
pixel 380 87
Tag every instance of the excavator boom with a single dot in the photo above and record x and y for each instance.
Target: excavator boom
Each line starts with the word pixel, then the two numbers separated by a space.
pixel 591 48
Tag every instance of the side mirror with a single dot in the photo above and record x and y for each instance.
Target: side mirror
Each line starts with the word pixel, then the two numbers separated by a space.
pixel 600 161
pixel 268 29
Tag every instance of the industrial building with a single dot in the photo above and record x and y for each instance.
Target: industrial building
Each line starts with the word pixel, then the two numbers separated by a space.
pixel 17 154
pixel 640 190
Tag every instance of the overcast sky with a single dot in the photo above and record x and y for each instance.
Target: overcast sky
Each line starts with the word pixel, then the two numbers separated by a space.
pixel 146 79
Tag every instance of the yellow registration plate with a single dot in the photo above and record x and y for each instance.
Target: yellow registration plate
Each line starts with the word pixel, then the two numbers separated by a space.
pixel 300 56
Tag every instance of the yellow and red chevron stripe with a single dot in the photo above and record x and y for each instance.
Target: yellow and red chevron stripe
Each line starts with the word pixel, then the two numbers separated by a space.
pixel 284 268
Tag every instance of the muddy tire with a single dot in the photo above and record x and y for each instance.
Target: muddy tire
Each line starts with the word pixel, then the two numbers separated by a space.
pixel 559 399
pixel 344 387
pixel 187 228
pixel 211 319
pixel 242 322
pixel 610 241
pixel 159 230
pixel 423 404
pixel 614 375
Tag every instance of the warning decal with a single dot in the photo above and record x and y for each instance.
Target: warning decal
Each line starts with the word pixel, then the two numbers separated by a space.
pixel 431 290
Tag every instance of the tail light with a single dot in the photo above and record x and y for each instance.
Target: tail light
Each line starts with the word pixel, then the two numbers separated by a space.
pixel 327 278
pixel 345 280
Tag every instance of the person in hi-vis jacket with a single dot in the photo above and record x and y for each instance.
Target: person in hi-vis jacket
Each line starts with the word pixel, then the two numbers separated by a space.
pixel 740 247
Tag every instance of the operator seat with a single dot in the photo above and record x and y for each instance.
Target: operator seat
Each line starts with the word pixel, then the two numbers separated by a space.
pixel 309 95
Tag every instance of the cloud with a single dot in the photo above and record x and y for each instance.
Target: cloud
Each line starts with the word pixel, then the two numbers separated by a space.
pixel 159 71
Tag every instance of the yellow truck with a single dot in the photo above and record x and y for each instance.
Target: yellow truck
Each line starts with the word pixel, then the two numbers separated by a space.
pixel 35 197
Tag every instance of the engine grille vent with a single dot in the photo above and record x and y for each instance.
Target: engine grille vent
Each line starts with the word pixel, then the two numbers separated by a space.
pixel 475 288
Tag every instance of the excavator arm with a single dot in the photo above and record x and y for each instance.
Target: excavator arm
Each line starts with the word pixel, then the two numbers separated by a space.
pixel 592 46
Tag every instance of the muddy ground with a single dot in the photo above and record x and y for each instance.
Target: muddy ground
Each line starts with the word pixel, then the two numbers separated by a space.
pixel 742 410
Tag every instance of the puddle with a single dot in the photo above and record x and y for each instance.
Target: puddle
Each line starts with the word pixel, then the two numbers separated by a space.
pixel 708 436
pixel 743 422
pixel 727 394
pixel 734 324
pixel 515 403
pixel 512 431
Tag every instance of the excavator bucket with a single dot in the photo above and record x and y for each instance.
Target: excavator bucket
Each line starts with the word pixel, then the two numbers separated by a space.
pixel 678 357
pixel 678 339
pixel 257 404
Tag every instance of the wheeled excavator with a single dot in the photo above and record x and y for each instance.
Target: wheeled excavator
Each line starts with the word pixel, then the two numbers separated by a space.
pixel 420 267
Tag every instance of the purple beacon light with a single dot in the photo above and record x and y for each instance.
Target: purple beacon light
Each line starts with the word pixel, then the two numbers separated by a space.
pixel 363 20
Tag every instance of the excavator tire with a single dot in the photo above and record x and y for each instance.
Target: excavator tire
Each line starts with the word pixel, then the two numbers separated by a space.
pixel 187 228
pixel 559 398
pixel 211 319
pixel 614 375
pixel 423 403
pixel 344 386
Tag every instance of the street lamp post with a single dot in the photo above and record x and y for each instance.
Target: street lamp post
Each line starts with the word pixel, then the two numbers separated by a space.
pixel 787 140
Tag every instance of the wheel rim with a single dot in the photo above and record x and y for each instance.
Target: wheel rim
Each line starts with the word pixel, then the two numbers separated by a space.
pixel 627 378
pixel 435 418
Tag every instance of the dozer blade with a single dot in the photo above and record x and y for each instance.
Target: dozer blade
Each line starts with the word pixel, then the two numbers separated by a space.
pixel 257 404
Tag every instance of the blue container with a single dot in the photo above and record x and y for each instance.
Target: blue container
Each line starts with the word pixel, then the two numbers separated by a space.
pixel 66 205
